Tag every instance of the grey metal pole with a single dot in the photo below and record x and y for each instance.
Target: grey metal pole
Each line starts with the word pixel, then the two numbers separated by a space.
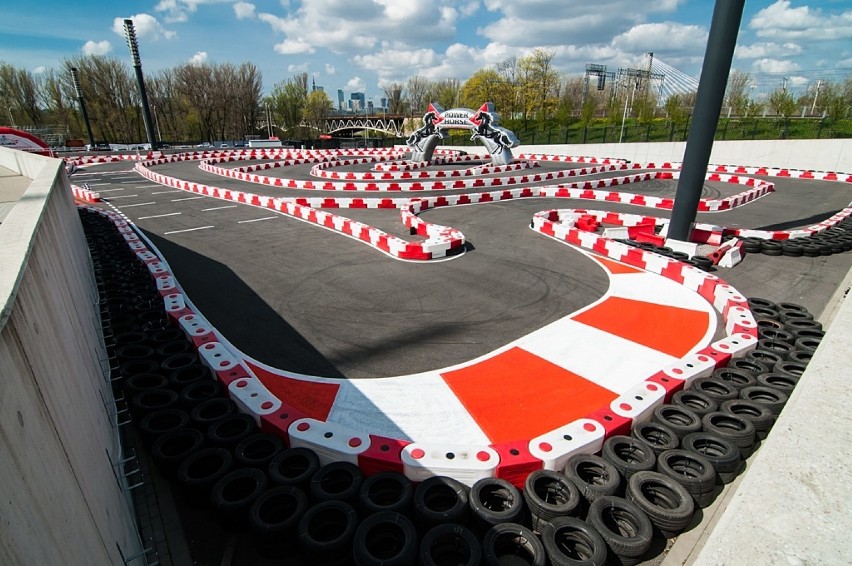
pixel 724 28
pixel 130 32
pixel 79 89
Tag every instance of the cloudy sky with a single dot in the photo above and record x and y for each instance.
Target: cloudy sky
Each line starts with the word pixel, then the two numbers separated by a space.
pixel 360 45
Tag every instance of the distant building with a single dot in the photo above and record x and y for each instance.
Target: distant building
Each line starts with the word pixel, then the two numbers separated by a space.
pixel 358 101
pixel 384 102
pixel 370 106
pixel 340 99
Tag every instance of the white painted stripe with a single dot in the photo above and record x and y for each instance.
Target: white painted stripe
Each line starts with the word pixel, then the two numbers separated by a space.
pixel 413 407
pixel 603 358
pixel 108 190
pixel 653 288
pixel 218 207
pixel 165 192
pixel 256 220
pixel 98 184
pixel 123 196
pixel 159 215
pixel 186 198
pixel 137 204
pixel 188 230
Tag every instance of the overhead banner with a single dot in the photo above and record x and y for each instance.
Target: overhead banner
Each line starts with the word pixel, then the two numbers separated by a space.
pixel 13 138
pixel 483 123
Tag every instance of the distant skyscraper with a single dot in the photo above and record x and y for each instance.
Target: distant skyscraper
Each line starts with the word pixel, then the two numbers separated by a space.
pixel 340 99
pixel 370 106
pixel 358 100
pixel 384 102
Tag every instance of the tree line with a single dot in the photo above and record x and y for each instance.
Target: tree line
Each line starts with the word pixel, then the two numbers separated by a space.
pixel 223 101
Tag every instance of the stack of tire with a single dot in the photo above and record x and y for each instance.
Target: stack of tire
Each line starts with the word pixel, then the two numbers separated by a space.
pixel 699 261
pixel 599 509
pixel 834 240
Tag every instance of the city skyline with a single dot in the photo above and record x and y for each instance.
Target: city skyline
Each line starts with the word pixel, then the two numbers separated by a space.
pixel 363 46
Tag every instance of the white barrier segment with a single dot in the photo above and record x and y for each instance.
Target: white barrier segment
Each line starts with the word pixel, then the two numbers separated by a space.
pixel 217 357
pixel 639 402
pixel 554 448
pixel 331 442
pixel 174 302
pixel 724 295
pixel 147 256
pixel 691 367
pixel 157 268
pixel 253 398
pixel 739 317
pixel 195 325
pixel 465 463
pixel 165 283
pixel 737 345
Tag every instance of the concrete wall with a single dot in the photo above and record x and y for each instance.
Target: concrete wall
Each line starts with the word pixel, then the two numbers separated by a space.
pixel 818 155
pixel 62 502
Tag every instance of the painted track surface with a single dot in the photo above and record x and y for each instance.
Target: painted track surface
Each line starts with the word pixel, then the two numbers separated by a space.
pixel 489 416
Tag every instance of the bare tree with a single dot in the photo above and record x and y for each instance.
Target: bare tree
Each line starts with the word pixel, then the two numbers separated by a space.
pixel 737 92
pixel 447 93
pixel 393 93
pixel 416 91
pixel 20 89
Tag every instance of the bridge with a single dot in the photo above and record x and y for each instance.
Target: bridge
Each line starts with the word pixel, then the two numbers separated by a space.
pixel 391 124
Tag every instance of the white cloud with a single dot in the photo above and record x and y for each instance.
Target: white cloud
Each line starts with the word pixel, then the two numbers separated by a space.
pixel 782 21
pixel 329 69
pixel 244 10
pixel 199 58
pixel 146 26
pixel 300 68
pixel 39 70
pixel 179 10
pixel 767 49
pixel 293 47
pixel 356 84
pixel 768 65
pixel 670 37
pixel 97 47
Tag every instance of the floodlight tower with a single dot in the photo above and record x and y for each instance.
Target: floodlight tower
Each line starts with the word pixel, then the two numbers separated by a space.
pixel 79 90
pixel 130 33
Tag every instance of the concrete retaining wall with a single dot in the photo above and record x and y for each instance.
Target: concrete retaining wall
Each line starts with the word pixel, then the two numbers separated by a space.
pixel 62 501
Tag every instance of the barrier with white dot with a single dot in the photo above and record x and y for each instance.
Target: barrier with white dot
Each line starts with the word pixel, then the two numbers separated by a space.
pixel 690 367
pixel 253 398
pixel 157 268
pixel 331 442
pixel 197 329
pixel 740 321
pixel 466 463
pixel 638 402
pixel 218 358
pixel 554 448
pixel 166 284
pixel 737 345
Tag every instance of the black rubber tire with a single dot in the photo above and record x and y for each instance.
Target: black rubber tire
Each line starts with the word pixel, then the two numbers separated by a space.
pixel 691 470
pixel 722 454
pixel 800 356
pixel 767 357
pixel 772 398
pixel 780 347
pixel 179 361
pixel 257 450
pixel 628 455
pixel 171 334
pixel 199 472
pixel 140 382
pixel 734 377
pixel 760 416
pixel 703 263
pixel 791 249
pixel 450 544
pixel 568 541
pixel 198 392
pixel 327 530
pixel 339 481
pixel 695 401
pixel 656 435
pixel 229 430
pixel 776 335
pixel 154 425
pixel 788 312
pixel 624 527
pixel 763 322
pixel 234 494
pixel 680 419
pixel 151 400
pixel 760 302
pixel 140 351
pixel 507 543
pixel 549 494
pixel 386 491
pixel 207 412
pixel 796 369
pixel 171 448
pixel 274 520
pixel 166 350
pixel 717 389
pixel 783 382
pixel 593 476
pixel 735 428
pixel 666 503
pixel 494 501
pixel 749 365
pixel 181 378
pixel 797 325
pixel 385 539
pixel 439 500
pixel 807 344
pixel 295 466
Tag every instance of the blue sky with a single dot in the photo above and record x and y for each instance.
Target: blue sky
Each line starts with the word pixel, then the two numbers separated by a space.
pixel 361 45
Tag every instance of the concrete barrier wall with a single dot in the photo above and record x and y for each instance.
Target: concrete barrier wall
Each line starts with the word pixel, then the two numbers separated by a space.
pixel 818 155
pixel 62 500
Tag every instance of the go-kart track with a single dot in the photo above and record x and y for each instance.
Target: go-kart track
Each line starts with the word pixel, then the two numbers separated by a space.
pixel 457 318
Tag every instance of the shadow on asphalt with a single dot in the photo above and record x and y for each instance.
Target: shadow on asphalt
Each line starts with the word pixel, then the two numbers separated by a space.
pixel 240 314
pixel 799 222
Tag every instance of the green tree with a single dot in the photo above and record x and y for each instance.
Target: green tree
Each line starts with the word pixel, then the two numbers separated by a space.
pixel 781 102
pixel 287 102
pixel 318 107
pixel 737 92
pixel 485 85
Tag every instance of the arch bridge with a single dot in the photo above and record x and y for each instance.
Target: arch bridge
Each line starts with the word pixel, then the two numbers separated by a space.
pixel 391 124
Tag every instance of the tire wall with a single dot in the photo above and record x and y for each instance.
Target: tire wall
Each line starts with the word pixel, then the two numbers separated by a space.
pixel 62 502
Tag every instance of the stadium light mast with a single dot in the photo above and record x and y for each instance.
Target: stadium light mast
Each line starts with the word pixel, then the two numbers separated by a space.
pixel 78 88
pixel 130 34
pixel 724 28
